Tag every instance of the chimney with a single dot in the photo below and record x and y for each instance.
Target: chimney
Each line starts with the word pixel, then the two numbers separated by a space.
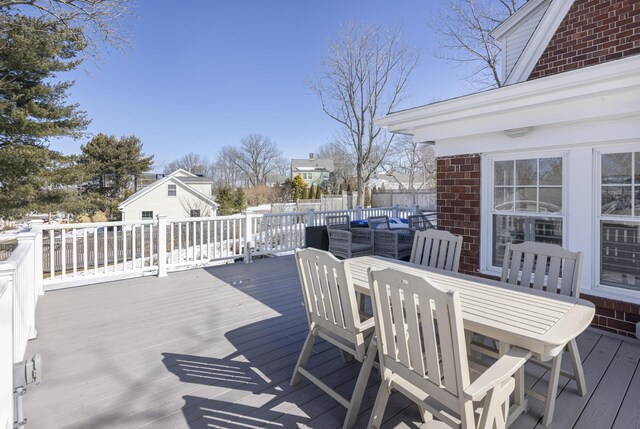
pixel 311 156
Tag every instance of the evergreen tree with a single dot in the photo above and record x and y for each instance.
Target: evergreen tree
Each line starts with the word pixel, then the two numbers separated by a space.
pixel 348 187
pixel 225 201
pixel 239 201
pixel 33 106
pixel 312 191
pixel 318 193
pixel 33 109
pixel 367 197
pixel 305 194
pixel 297 187
pixel 340 189
pixel 112 166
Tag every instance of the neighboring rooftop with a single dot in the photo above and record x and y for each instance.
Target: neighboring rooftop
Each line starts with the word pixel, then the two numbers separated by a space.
pixel 312 164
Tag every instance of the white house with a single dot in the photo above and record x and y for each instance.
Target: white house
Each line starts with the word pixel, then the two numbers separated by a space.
pixel 552 156
pixel 177 195
pixel 312 170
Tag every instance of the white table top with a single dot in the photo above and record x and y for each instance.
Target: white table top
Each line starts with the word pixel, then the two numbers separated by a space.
pixel 538 321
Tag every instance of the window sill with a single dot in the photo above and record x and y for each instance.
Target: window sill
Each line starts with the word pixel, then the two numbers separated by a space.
pixel 630 297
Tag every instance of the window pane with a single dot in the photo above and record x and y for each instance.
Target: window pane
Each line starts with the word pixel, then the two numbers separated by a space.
pixel 526 199
pixel 637 212
pixel 550 200
pixel 550 171
pixel 620 254
pixel 503 173
pixel 516 229
pixel 503 198
pixel 526 172
pixel 637 168
pixel 616 200
pixel 616 168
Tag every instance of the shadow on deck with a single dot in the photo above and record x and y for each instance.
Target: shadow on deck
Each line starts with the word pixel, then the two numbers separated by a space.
pixel 216 347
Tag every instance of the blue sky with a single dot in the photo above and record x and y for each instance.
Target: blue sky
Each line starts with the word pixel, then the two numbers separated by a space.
pixel 202 74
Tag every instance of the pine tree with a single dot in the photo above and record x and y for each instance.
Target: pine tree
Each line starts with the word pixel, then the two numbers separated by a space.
pixel 318 193
pixel 297 186
pixel 112 165
pixel 348 187
pixel 305 194
pixel 33 109
pixel 239 201
pixel 312 191
pixel 225 201
pixel 340 189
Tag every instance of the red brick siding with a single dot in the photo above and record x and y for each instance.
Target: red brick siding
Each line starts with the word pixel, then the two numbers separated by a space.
pixel 615 316
pixel 458 201
pixel 593 32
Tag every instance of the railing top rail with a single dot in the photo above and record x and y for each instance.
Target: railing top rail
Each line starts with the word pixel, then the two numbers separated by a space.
pixel 204 218
pixel 18 254
pixel 60 226
pixel 282 214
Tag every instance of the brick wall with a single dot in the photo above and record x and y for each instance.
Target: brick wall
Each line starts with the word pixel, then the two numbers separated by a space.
pixel 593 32
pixel 458 202
pixel 615 316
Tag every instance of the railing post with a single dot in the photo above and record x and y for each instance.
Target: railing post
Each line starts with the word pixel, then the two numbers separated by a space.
pixel 248 233
pixel 26 237
pixel 36 227
pixel 311 218
pixel 162 246
pixel 415 209
pixel 396 210
pixel 358 213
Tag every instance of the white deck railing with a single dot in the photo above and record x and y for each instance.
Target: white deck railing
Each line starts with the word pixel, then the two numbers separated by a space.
pixel 19 291
pixel 79 254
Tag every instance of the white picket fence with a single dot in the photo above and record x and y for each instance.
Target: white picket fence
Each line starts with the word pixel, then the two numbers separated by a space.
pixel 20 286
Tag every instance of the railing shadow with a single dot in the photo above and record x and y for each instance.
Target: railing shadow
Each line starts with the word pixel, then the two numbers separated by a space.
pixel 250 386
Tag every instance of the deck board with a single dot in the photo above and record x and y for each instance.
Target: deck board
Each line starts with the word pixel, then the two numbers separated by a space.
pixel 216 347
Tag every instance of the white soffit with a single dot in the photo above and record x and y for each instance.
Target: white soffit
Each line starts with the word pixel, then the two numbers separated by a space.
pixel 594 92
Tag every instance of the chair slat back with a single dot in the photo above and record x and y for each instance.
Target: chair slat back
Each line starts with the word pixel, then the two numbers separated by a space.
pixel 420 333
pixel 437 249
pixel 379 222
pixel 338 222
pixel 420 222
pixel 543 266
pixel 329 295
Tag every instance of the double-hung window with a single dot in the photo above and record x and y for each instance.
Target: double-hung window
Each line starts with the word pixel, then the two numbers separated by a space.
pixel 171 190
pixel 619 219
pixel 147 215
pixel 526 203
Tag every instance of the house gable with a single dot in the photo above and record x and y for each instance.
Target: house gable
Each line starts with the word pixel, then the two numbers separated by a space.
pixel 592 32
pixel 514 33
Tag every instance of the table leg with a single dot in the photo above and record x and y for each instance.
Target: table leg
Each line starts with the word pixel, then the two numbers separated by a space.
pixel 520 403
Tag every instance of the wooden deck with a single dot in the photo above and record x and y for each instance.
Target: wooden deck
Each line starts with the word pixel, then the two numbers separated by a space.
pixel 216 347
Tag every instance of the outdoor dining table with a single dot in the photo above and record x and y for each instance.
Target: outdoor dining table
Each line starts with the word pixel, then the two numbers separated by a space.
pixel 539 321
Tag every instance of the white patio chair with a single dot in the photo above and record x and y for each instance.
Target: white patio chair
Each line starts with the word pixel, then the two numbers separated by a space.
pixel 421 344
pixel 437 249
pixel 557 270
pixel 330 301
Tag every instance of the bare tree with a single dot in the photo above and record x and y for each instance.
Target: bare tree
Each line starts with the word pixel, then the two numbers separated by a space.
pixel 464 27
pixel 102 21
pixel 364 76
pixel 344 167
pixel 226 173
pixel 414 159
pixel 257 157
pixel 191 162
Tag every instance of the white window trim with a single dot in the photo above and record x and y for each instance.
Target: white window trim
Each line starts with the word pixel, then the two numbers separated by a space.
pixel 176 188
pixel 141 214
pixel 487 200
pixel 597 288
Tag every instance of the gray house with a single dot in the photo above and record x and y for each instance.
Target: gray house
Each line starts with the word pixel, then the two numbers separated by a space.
pixel 312 170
